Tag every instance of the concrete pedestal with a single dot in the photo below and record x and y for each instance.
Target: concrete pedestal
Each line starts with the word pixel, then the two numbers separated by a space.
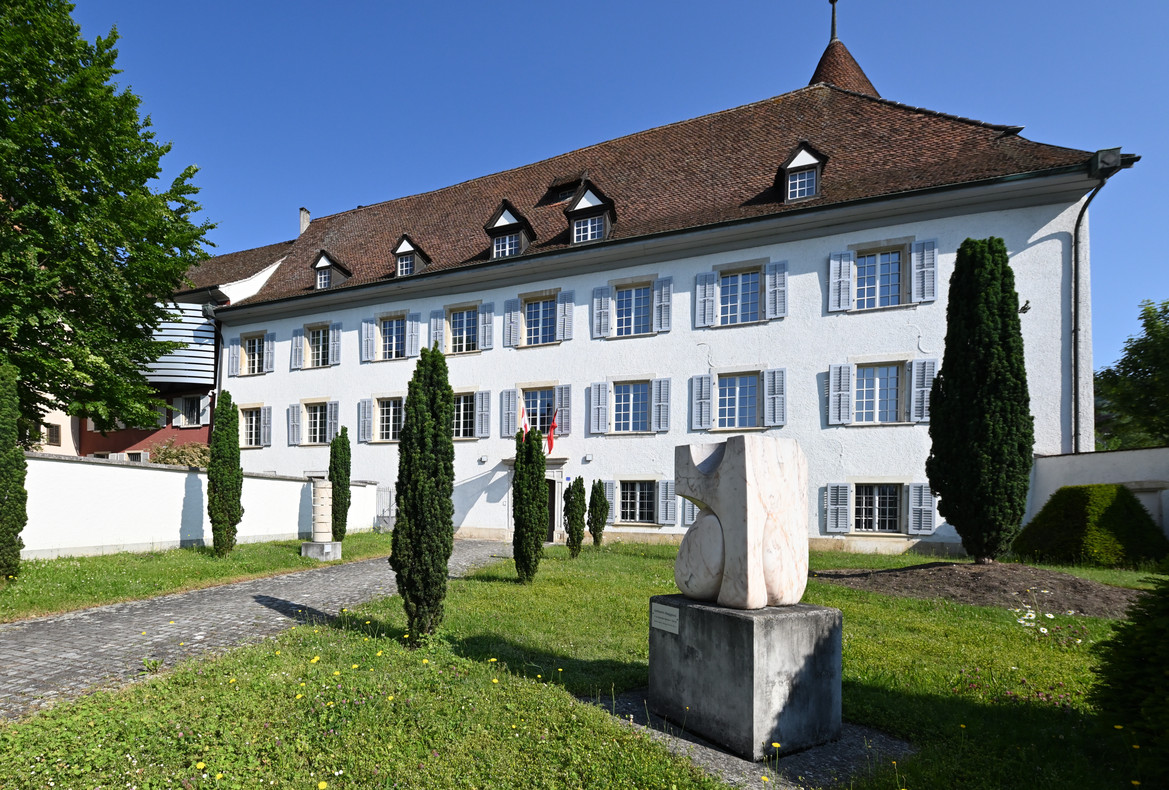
pixel 321 550
pixel 747 678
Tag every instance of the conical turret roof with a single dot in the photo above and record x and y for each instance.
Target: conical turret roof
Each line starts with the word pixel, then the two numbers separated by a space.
pixel 838 67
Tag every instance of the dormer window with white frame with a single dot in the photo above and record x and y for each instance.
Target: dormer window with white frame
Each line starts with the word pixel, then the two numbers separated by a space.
pixel 799 177
pixel 328 272
pixel 408 258
pixel 509 231
pixel 590 214
pixel 324 278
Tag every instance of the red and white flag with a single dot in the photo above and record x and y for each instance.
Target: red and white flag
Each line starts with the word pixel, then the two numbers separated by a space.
pixel 522 420
pixel 552 431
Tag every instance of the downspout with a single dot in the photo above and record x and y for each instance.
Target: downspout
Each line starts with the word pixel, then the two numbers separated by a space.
pixel 1103 165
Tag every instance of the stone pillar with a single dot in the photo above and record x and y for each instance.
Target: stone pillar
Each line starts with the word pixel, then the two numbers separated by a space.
pixel 322 546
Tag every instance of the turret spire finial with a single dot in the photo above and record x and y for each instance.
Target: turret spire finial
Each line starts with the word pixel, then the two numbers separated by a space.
pixel 833 2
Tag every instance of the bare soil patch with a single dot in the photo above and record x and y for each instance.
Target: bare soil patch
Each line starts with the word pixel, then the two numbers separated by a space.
pixel 1009 585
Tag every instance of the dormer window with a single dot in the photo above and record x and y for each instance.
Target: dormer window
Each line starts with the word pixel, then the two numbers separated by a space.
pixel 324 278
pixel 509 231
pixel 590 213
pixel 799 177
pixel 328 272
pixel 408 257
pixel 405 264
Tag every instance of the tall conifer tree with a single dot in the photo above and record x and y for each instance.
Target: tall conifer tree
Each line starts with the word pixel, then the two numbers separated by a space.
pixel 529 504
pixel 340 469
pixel 424 529
pixel 980 416
pixel 13 497
pixel 225 478
pixel 574 515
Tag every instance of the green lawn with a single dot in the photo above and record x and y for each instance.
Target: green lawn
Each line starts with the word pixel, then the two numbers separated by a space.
pixel 987 702
pixel 69 583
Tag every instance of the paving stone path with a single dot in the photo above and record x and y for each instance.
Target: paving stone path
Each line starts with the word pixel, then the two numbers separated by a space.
pixel 63 656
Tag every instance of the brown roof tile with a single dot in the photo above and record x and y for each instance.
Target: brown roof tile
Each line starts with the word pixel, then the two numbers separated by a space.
pixel 709 170
pixel 838 67
pixel 234 266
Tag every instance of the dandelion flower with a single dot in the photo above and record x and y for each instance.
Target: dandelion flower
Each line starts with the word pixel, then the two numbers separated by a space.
pixel 314 659
pixel 298 696
pixel 390 698
pixel 1118 726
pixel 143 633
pixel 367 622
pixel 1135 746
pixel 200 766
pixel 231 681
pixel 172 622
pixel 322 785
pixel 492 660
pixel 218 776
pixel 494 680
pixel 426 661
pixel 354 666
pixel 346 610
pixel 963 726
pixel 336 672
pixel 773 743
pixel 302 684
pixel 277 652
pixel 379 652
pixel 765 779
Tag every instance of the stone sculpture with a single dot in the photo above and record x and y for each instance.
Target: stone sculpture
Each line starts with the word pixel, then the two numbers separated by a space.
pixel 748 547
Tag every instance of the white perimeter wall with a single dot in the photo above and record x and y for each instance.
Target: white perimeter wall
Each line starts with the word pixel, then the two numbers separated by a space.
pixel 1145 472
pixel 80 506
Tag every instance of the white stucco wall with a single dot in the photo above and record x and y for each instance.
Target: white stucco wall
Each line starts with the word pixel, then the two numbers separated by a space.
pixel 805 342
pixel 79 506
pixel 1145 472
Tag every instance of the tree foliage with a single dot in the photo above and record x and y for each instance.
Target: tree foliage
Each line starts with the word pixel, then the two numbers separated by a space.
pixel 340 467
pixel 194 454
pixel 86 247
pixel 980 416
pixel 13 497
pixel 598 511
pixel 574 515
pixel 1132 396
pixel 424 531
pixel 225 478
pixel 529 504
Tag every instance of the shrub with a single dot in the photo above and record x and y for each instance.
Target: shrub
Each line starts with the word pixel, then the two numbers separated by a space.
pixel 340 466
pixel 424 530
pixel 598 511
pixel 225 479
pixel 1132 686
pixel 574 515
pixel 13 496
pixel 529 504
pixel 189 454
pixel 1095 524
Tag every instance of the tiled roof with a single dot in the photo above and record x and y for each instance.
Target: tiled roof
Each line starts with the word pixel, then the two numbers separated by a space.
pixel 838 67
pixel 235 266
pixel 714 169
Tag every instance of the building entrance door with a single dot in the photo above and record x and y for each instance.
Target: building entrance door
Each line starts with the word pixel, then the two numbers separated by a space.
pixel 551 510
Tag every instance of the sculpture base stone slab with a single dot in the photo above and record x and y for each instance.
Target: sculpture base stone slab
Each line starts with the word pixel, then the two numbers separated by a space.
pixel 745 679
pixel 321 550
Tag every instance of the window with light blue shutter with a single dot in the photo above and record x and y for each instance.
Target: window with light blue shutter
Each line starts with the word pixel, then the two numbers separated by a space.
pixel 294 424
pixel 335 343
pixel 413 334
pixel 921 377
pixel 840 394
pixel 601 311
pixel 565 303
pixel 775 290
pixel 563 407
pixel 486 326
pixel 922 507
pixel 840 268
pixel 296 361
pixel 333 412
pixel 599 408
pixel 437 335
pixel 368 339
pixel 508 405
pixel 700 403
pixel 365 420
pixel 265 426
pixel 667 503
pixel 483 414
pixel 233 357
pixel 269 352
pixel 774 397
pixel 663 298
pixel 611 496
pixel 689 512
pixel 924 259
pixel 511 323
pixel 660 405
pixel 836 513
pixel 705 299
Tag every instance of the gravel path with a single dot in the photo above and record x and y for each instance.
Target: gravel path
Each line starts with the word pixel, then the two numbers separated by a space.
pixel 63 656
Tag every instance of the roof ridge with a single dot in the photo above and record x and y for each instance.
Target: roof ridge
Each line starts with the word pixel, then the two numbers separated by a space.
pixel 923 110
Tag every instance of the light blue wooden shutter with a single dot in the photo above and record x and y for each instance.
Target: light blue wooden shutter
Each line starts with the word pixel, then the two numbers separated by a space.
pixel 663 294
pixel 921 510
pixel 269 352
pixel 511 323
pixel 660 405
pixel 774 397
pixel 840 394
pixel 601 297
pixel 413 334
pixel 565 303
pixel 689 512
pixel 836 515
pixel 296 362
pixel 700 406
pixel 483 414
pixel 840 268
pixel 437 335
pixel 365 420
pixel 667 503
pixel 705 299
pixel 204 410
pixel 611 496
pixel 775 278
pixel 486 326
pixel 265 426
pixel 233 357
pixel 921 377
pixel 335 343
pixel 508 404
pixel 333 414
pixel 368 340
pixel 925 271
pixel 294 424
pixel 563 404
pixel 162 412
pixel 599 408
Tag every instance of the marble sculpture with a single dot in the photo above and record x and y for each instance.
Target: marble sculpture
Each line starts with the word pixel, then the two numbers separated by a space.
pixel 748 547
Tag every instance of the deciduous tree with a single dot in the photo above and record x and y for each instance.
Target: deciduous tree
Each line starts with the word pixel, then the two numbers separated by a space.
pixel 980 415
pixel 1132 396
pixel 88 250
pixel 225 478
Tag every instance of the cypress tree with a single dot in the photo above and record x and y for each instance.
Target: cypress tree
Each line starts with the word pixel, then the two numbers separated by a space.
pixel 340 466
pixel 598 511
pixel 13 497
pixel 424 531
pixel 225 479
pixel 529 504
pixel 980 415
pixel 574 515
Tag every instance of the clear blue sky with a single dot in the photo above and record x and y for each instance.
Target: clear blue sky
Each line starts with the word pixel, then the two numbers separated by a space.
pixel 333 105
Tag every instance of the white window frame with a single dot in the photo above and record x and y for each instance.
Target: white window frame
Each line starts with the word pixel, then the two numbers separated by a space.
pixel 771 302
pixel 896 297
pixel 803 183
pixel 394 406
pixel 252 354
pixel 918 273
pixel 405 264
pixel 251 427
pixel 506 245
pixel 320 411
pixel 467 341
pixel 463 416
pixel 643 494
pixel 647 405
pixel 729 317
pixel 634 313
pixel 324 277
pixel 537 421
pixel 50 439
pixel 883 503
pixel 721 408
pixel 588 229
pixel 881 411
pixel 547 320
pixel 314 356
pixel 396 350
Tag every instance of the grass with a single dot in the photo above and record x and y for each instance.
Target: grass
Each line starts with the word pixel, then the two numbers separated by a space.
pixel 69 583
pixel 988 702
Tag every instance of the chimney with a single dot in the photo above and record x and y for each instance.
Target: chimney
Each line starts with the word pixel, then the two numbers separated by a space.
pixel 305 219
